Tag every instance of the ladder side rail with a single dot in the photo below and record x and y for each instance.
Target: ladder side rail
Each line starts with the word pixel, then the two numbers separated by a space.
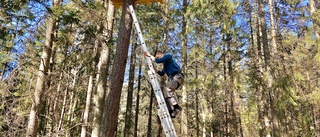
pixel 163 113
pixel 144 47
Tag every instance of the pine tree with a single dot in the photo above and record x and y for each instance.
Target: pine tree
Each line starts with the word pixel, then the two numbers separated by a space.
pixel 118 69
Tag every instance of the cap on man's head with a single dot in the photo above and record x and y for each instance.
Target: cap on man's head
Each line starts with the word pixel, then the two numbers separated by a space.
pixel 157 52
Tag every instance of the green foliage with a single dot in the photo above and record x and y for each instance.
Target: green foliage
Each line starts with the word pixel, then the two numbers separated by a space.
pixel 221 67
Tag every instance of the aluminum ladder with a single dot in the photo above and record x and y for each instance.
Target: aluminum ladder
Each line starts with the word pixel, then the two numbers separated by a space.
pixel 163 112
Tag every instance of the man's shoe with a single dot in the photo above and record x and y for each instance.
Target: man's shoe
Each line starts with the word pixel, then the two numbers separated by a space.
pixel 178 108
pixel 175 113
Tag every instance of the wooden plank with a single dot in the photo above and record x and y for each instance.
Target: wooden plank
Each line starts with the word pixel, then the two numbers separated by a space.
pixel 118 3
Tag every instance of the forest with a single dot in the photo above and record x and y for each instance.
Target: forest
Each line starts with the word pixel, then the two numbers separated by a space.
pixel 76 68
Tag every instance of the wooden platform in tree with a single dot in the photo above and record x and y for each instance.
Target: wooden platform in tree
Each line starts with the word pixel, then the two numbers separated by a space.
pixel 118 3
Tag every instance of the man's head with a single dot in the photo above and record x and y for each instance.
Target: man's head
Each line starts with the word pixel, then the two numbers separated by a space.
pixel 158 54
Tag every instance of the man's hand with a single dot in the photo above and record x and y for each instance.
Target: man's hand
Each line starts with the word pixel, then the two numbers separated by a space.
pixel 149 55
pixel 155 67
pixel 146 53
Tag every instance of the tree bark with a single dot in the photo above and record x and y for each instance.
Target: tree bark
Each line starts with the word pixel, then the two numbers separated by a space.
pixel 263 27
pixel 273 52
pixel 166 25
pixel 62 110
pixel 315 21
pixel 128 120
pixel 102 75
pixel 184 117
pixel 149 132
pixel 118 69
pixel 32 128
pixel 272 29
pixel 137 103
pixel 87 107
pixel 226 92
pixel 197 113
pixel 262 115
pixel 232 95
pixel 91 83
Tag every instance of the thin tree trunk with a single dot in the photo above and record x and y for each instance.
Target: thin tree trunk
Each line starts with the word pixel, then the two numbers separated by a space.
pixel 57 98
pixel 55 114
pixel 197 106
pixel 88 102
pixel 226 92
pixel 315 21
pixel 159 128
pixel 184 117
pixel 47 107
pixel 263 27
pixel 149 131
pixel 137 103
pixel 74 105
pixel 118 69
pixel 32 128
pixel 258 34
pixel 67 134
pixel 269 122
pixel 91 84
pixel 262 117
pixel 128 120
pixel 241 130
pixel 272 29
pixel 166 25
pixel 278 26
pixel 3 71
pixel 165 46
pixel 197 113
pixel 204 111
pixel 232 94
pixel 62 110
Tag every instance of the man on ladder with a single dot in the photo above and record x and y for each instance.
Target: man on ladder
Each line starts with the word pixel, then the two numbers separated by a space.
pixel 176 79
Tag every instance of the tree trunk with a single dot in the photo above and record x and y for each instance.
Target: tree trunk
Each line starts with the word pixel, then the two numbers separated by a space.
pixel 166 25
pixel 99 95
pixel 272 29
pixel 315 21
pixel 273 121
pixel 278 26
pixel 137 103
pixel 197 113
pixel 3 71
pixel 258 34
pixel 262 110
pixel 226 92
pixel 92 71
pixel 149 132
pixel 118 69
pixel 87 107
pixel 62 110
pixel 232 95
pixel 128 120
pixel 184 117
pixel 46 109
pixel 263 27
pixel 241 130
pixel 55 114
pixel 32 128
pixel 108 34
pixel 102 75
